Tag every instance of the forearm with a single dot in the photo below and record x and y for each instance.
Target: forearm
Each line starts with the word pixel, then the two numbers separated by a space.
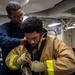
pixel 63 66
pixel 11 62
pixel 15 58
pixel 9 42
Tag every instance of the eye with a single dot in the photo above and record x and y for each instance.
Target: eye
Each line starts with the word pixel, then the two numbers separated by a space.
pixel 34 38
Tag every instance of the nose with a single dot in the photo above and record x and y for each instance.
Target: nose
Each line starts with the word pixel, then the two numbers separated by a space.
pixel 31 41
pixel 20 18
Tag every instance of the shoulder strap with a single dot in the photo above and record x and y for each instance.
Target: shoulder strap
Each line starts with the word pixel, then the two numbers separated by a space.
pixel 42 46
pixel 51 47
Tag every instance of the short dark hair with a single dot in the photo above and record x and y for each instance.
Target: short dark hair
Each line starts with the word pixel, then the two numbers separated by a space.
pixel 12 6
pixel 32 24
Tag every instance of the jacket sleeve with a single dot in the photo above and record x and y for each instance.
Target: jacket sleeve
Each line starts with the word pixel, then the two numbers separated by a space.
pixel 6 41
pixel 11 59
pixel 63 61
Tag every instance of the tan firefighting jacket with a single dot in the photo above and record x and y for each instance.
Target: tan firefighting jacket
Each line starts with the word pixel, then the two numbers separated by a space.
pixel 58 58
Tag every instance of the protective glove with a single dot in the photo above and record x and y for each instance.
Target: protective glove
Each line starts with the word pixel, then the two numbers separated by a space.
pixel 21 59
pixel 37 66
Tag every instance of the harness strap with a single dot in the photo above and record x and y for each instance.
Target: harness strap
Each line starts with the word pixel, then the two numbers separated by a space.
pixel 42 46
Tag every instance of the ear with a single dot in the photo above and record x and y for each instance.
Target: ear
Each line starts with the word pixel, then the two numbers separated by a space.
pixel 9 16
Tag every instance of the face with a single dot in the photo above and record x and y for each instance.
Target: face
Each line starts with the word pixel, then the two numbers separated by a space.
pixel 33 38
pixel 17 16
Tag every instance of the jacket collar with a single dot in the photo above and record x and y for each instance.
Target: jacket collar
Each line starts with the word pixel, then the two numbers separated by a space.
pixel 43 37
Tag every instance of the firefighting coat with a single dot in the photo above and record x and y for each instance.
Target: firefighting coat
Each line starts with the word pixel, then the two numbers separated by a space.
pixel 58 58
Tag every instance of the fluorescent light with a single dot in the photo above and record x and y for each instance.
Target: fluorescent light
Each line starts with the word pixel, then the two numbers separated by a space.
pixel 74 24
pixel 71 27
pixel 25 17
pixel 23 2
pixel 53 24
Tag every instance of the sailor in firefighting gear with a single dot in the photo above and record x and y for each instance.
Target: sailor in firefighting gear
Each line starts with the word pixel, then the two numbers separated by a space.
pixel 42 54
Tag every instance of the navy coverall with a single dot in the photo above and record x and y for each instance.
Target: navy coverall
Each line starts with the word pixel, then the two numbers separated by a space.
pixel 10 35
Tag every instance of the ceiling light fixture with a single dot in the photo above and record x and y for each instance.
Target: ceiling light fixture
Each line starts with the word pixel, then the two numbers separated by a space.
pixel 74 24
pixel 25 17
pixel 53 24
pixel 71 27
pixel 3 3
pixel 23 2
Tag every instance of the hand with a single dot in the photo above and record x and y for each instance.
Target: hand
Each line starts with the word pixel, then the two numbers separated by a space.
pixel 28 59
pixel 22 59
pixel 37 66
pixel 22 41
